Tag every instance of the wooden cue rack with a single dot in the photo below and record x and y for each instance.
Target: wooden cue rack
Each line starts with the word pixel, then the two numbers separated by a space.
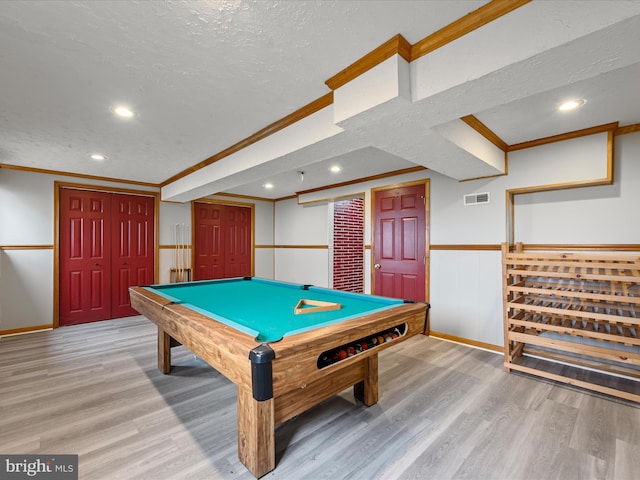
pixel 574 318
pixel 179 275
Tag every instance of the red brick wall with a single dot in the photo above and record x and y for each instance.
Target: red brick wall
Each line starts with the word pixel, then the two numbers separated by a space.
pixel 348 245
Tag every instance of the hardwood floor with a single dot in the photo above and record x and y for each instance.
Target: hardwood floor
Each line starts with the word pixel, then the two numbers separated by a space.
pixel 445 411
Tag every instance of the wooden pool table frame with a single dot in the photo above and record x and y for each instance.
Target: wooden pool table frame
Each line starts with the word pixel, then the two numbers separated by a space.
pixel 296 382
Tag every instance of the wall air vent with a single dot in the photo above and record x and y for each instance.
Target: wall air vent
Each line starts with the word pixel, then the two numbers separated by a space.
pixel 476 198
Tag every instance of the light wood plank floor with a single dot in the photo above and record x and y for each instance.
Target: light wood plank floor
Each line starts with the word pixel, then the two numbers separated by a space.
pixel 445 411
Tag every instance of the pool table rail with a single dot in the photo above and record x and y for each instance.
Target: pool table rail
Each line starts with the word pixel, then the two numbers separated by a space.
pixel 296 357
pixel 201 335
pixel 299 383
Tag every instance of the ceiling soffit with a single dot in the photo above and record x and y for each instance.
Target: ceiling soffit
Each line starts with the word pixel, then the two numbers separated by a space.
pixel 395 105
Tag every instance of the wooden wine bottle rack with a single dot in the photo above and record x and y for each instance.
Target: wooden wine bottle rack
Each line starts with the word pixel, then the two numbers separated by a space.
pixel 574 309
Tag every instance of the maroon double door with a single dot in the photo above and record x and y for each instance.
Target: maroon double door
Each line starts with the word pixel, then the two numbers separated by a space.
pixel 222 246
pixel 106 245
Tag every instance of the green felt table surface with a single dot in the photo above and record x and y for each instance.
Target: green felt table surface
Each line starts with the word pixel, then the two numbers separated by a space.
pixel 265 308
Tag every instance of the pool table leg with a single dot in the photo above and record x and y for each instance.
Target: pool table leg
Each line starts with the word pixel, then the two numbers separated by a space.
pixel 256 433
pixel 164 351
pixel 367 390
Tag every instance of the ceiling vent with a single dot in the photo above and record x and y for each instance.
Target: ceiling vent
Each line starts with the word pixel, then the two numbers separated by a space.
pixel 476 198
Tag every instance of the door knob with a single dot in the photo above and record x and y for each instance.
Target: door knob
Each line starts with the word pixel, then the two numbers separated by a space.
pixel 376 265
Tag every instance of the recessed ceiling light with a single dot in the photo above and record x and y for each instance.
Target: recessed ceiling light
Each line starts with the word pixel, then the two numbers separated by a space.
pixel 336 169
pixel 98 156
pixel 268 185
pixel 123 111
pixel 571 104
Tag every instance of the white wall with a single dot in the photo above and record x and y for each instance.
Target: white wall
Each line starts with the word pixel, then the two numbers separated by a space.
pixel 574 160
pixel 596 215
pixel 27 224
pixel 26 288
pixel 466 285
pixel 26 234
pixel 26 208
pixel 465 288
pixel 26 218
pixel 299 232
pixel 466 298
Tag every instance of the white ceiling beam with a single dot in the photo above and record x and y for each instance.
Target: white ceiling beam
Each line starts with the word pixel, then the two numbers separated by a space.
pixel 387 81
pixel 412 110
pixel 243 166
pixel 473 143
pixel 533 30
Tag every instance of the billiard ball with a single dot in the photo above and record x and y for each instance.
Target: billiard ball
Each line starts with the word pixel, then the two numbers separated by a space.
pixel 325 360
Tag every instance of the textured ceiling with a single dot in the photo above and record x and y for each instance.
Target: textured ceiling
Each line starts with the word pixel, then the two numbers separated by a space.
pixel 203 75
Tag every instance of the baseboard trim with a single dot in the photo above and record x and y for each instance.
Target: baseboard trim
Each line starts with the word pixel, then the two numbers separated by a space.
pixel 466 341
pixel 20 331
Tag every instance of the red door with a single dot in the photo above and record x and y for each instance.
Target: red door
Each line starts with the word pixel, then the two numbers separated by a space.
pixel 208 246
pixel 106 245
pixel 85 269
pixel 399 261
pixel 132 249
pixel 222 241
pixel 238 242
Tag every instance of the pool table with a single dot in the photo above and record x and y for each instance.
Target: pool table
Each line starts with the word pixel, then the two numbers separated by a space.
pixel 286 346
